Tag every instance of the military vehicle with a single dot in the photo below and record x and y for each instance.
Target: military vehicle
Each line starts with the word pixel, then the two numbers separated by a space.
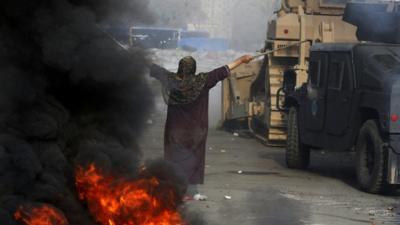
pixel 250 95
pixel 351 100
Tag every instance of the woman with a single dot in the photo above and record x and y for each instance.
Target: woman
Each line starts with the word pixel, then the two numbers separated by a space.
pixel 186 127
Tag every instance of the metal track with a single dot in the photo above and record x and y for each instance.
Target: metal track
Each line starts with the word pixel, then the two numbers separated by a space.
pixel 277 120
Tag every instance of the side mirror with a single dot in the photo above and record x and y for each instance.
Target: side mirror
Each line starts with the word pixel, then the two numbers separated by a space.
pixel 289 81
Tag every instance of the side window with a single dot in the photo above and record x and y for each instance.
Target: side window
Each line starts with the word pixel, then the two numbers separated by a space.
pixel 314 71
pixel 340 73
pixel 347 83
pixel 336 75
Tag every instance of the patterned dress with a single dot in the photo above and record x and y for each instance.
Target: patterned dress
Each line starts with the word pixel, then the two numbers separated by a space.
pixel 186 128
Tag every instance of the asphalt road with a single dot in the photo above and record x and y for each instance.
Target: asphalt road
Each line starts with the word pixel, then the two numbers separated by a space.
pixel 263 191
pixel 266 192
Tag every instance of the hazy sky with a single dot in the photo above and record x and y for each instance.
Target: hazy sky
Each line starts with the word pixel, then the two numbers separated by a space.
pixel 247 20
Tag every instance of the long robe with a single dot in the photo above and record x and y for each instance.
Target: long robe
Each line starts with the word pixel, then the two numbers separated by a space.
pixel 186 130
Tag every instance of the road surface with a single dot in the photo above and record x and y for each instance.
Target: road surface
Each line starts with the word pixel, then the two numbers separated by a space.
pixel 248 183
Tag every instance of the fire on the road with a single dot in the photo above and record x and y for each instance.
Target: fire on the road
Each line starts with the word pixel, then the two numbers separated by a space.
pixel 41 215
pixel 115 201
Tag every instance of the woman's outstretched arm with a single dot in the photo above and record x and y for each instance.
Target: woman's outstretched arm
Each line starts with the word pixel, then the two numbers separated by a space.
pixel 244 59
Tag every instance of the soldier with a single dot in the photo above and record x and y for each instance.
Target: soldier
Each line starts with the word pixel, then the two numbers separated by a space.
pixel 186 127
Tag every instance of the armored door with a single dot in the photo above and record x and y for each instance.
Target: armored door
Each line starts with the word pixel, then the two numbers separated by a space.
pixel 314 103
pixel 340 89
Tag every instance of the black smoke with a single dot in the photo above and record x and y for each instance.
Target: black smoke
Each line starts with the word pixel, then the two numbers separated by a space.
pixel 376 22
pixel 69 95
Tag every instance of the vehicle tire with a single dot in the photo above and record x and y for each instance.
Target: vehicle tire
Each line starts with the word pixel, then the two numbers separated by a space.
pixel 297 153
pixel 371 168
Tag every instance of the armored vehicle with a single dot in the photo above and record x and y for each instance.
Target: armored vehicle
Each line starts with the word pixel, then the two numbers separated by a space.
pixel 250 95
pixel 350 101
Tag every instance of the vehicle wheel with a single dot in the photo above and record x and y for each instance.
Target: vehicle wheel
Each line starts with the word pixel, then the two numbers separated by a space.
pixel 371 165
pixel 297 153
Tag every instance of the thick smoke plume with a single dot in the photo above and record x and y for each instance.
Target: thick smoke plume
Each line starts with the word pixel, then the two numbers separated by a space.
pixel 68 96
pixel 381 24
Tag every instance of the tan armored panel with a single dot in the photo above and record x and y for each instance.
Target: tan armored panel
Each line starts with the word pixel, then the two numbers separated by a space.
pixel 294 4
pixel 325 7
pixel 286 29
pixel 330 29
pixel 241 79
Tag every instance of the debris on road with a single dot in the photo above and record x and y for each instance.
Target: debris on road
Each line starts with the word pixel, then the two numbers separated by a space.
pixel 228 197
pixel 200 197
pixel 240 172
pixel 236 134
pixel 223 150
pixel 372 212
pixel 149 121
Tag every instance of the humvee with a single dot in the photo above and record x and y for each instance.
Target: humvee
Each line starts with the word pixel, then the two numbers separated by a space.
pixel 351 100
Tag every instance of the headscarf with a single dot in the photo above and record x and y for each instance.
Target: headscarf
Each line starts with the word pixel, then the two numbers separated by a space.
pixel 185 86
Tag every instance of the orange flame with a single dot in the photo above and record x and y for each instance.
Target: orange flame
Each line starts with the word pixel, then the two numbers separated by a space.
pixel 44 215
pixel 123 202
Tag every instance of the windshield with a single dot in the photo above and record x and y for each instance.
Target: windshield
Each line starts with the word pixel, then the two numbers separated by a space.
pixel 386 61
pixel 383 58
pixel 391 60
pixel 377 65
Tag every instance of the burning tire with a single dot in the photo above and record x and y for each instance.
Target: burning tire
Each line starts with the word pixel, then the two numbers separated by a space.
pixel 371 166
pixel 297 153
